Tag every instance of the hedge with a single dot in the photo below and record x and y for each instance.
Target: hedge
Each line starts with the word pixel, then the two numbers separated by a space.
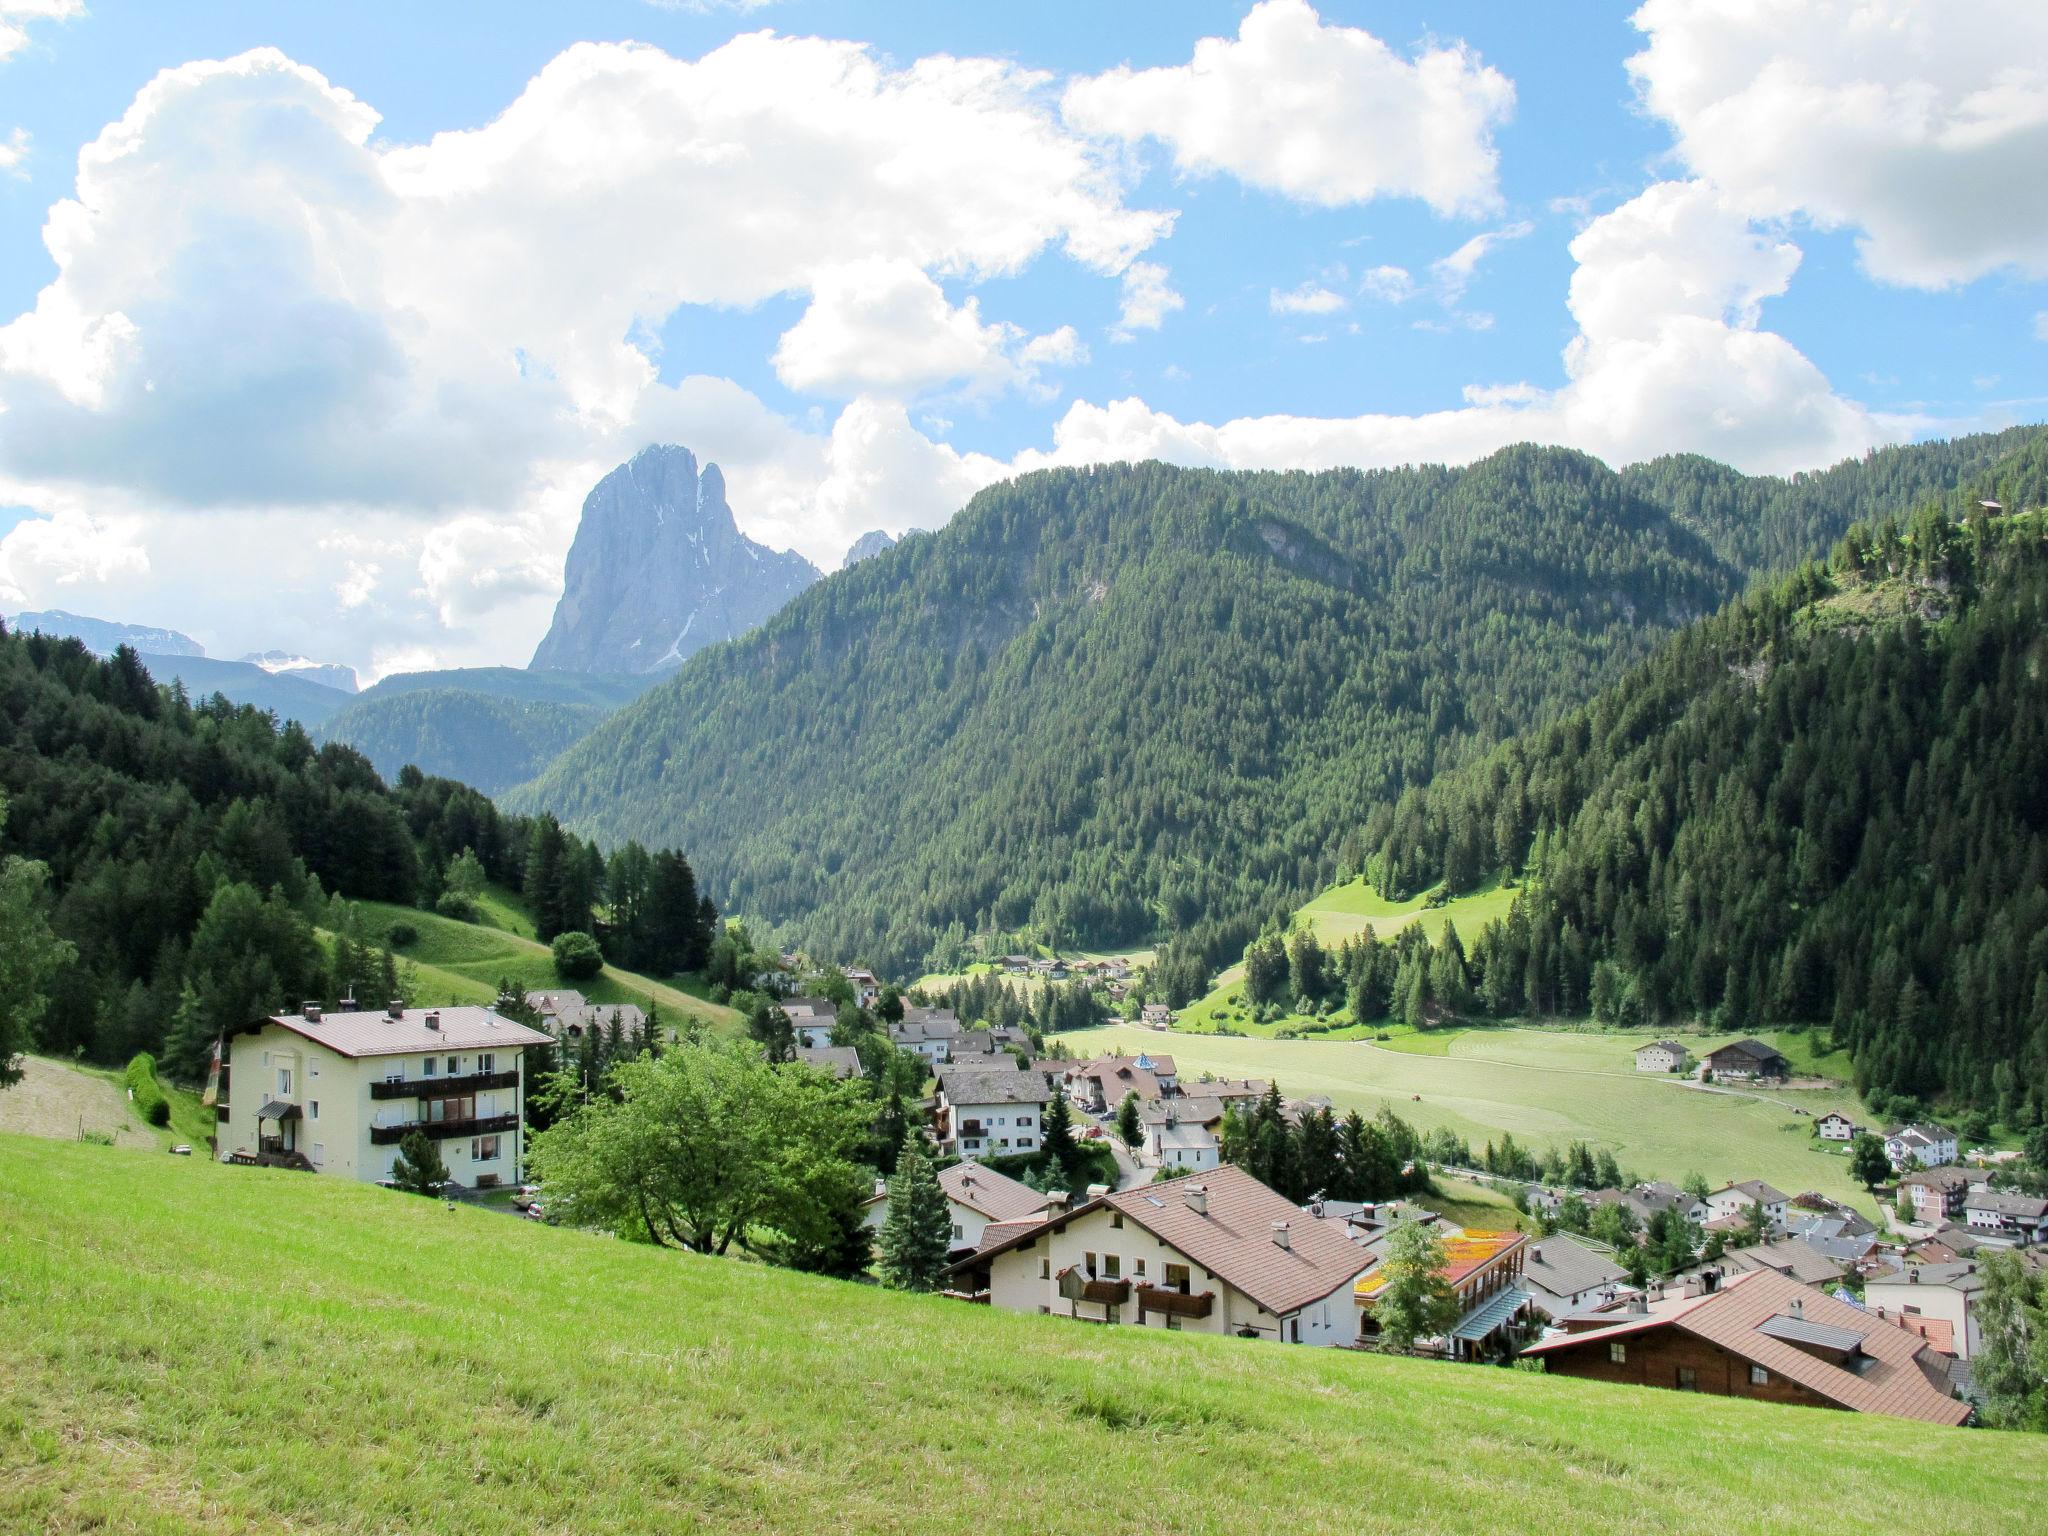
pixel 150 1102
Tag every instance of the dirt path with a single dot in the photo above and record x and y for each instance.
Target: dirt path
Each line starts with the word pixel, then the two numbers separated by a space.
pixel 53 1099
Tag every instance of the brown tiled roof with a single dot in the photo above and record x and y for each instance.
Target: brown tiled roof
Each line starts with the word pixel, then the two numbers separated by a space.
pixel 996 1196
pixel 1233 1238
pixel 1891 1381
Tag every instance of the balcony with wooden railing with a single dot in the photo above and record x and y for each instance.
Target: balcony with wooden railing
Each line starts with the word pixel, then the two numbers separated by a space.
pixel 1175 1303
pixel 441 1087
pixel 443 1130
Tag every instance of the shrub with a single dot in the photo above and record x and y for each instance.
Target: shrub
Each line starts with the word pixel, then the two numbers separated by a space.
pixel 456 905
pixel 402 936
pixel 144 1089
pixel 577 957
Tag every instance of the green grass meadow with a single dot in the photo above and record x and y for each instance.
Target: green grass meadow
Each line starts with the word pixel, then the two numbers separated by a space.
pixel 456 962
pixel 1547 1086
pixel 187 1348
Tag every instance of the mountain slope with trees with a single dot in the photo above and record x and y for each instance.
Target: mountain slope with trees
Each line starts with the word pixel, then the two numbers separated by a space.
pixel 1823 806
pixel 1121 704
pixel 191 851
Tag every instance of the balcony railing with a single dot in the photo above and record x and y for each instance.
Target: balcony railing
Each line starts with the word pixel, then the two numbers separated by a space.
pixel 1113 1292
pixel 1151 1299
pixel 442 1130
pixel 440 1087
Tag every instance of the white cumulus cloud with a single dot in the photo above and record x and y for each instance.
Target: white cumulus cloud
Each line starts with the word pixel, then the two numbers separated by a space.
pixel 1922 125
pixel 1147 299
pixel 1321 113
pixel 1309 298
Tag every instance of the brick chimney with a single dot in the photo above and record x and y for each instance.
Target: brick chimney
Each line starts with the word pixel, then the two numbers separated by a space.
pixel 395 1008
pixel 310 1012
pixel 433 1020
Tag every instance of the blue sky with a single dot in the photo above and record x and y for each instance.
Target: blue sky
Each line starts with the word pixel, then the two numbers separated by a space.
pixel 318 374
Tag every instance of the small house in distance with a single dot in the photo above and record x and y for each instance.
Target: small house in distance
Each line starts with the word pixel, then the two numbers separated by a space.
pixel 1836 1126
pixel 1749 1060
pixel 976 1199
pixel 1662 1056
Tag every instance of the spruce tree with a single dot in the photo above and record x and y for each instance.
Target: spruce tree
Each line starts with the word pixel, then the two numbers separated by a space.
pixel 418 1169
pixel 918 1232
pixel 1127 1125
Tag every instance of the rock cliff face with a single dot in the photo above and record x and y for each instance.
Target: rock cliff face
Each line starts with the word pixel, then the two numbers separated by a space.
pixel 659 570
pixel 871 543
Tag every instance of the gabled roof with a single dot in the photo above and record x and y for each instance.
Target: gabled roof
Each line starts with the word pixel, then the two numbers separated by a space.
pixel 1751 1047
pixel 839 1060
pixel 2006 1203
pixel 1756 1189
pixel 988 1193
pixel 1663 1045
pixel 1564 1266
pixel 379 1034
pixel 1889 1377
pixel 979 1087
pixel 1792 1256
pixel 1232 1239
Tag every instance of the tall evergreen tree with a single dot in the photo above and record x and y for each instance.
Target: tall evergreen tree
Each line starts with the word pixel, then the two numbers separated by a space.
pixel 917 1234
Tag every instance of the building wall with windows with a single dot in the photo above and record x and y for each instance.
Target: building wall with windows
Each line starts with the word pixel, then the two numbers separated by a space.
pixel 1676 1360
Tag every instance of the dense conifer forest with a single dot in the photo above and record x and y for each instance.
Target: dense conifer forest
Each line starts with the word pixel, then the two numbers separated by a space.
pixel 197 852
pixel 1827 805
pixel 1136 703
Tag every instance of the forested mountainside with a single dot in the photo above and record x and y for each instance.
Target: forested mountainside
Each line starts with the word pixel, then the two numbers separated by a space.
pixel 1117 704
pixel 491 727
pixel 194 849
pixel 1828 804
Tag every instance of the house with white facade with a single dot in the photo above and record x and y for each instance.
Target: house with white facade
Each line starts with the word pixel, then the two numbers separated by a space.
pixel 338 1092
pixel 928 1031
pixel 811 1020
pixel 1662 1056
pixel 1564 1274
pixel 993 1113
pixel 1925 1146
pixel 1102 1084
pixel 2007 1216
pixel 1218 1253
pixel 976 1199
pixel 1737 1200
pixel 1836 1126
pixel 1948 1293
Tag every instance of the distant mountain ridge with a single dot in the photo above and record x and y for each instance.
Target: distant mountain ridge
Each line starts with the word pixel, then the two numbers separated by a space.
pixel 871 543
pixel 659 570
pixel 1129 703
pixel 329 674
pixel 103 636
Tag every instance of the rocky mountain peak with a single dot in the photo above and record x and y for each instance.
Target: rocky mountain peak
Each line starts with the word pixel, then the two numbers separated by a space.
pixel 659 569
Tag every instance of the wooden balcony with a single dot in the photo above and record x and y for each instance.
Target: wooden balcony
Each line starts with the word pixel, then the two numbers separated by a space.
pixel 1110 1292
pixel 442 1087
pixel 1174 1303
pixel 443 1130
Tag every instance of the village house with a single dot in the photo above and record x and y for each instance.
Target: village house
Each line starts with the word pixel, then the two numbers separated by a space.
pixel 1564 1274
pixel 1484 1269
pixel 1759 1335
pixel 337 1092
pixel 1156 1016
pixel 1099 1086
pixel 992 1113
pixel 1662 1056
pixel 570 1015
pixel 2003 1215
pixel 1369 1222
pixel 1736 1200
pixel 1181 1134
pixel 1642 1201
pixel 1836 1126
pixel 1231 1090
pixel 930 1032
pixel 1220 1253
pixel 811 1020
pixel 1936 1193
pixel 842 1061
pixel 867 991
pixel 1748 1060
pixel 1925 1146
pixel 976 1198
pixel 995 1041
pixel 1949 1292
pixel 1793 1257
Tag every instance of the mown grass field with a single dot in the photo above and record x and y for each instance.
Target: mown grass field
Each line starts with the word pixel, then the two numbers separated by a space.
pixel 1547 1086
pixel 1340 913
pixel 237 1350
pixel 455 962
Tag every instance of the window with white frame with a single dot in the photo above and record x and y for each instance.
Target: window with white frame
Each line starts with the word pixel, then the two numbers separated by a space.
pixel 1617 1352
pixel 314 1109
pixel 284 1082
pixel 483 1149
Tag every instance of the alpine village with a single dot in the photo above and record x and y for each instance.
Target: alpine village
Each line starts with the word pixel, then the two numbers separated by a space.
pixel 1457 976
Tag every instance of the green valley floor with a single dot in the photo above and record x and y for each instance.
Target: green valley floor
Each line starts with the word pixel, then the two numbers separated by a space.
pixel 191 1348
pixel 1547 1087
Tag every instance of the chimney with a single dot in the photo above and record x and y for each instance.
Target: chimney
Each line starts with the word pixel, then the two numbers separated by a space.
pixel 1281 1236
pixel 1798 1308
pixel 1536 1254
pixel 310 1012
pixel 1198 1199
pixel 1097 1191
pixel 1638 1306
pixel 347 1005
pixel 433 1020
pixel 395 1008
pixel 1912 1277
pixel 1056 1201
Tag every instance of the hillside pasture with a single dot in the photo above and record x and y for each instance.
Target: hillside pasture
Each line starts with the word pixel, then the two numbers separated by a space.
pixel 235 1351
pixel 1546 1086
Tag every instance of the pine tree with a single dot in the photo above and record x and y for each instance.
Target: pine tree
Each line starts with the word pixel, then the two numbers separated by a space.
pixel 418 1169
pixel 918 1232
pixel 1060 1149
pixel 1127 1125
